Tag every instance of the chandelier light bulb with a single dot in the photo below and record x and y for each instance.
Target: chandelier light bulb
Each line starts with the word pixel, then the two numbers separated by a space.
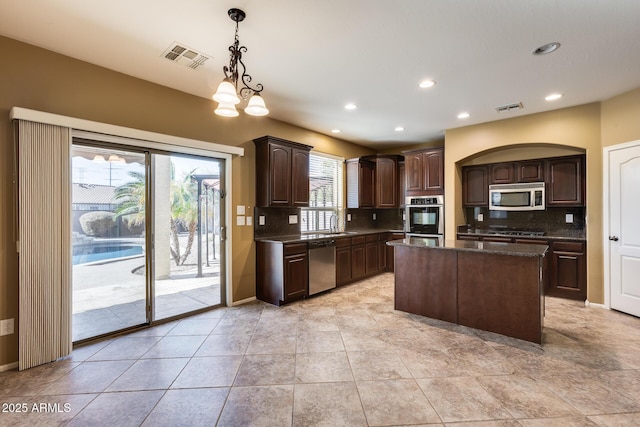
pixel 256 106
pixel 226 93
pixel 226 110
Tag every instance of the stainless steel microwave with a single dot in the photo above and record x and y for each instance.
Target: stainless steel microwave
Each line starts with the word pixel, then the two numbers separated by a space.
pixel 527 196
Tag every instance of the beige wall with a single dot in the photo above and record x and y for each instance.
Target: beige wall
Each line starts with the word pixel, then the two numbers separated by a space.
pixel 621 118
pixel 42 80
pixel 558 132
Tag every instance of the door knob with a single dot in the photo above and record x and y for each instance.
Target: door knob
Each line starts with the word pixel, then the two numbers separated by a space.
pixel 613 238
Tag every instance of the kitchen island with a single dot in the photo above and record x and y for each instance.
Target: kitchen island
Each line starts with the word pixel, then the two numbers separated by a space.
pixel 494 287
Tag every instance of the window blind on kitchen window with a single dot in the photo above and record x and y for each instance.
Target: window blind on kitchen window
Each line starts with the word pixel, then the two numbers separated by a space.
pixel 325 193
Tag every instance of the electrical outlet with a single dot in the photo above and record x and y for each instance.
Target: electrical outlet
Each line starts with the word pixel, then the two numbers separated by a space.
pixel 262 220
pixel 568 218
pixel 293 219
pixel 348 217
pixel 480 217
pixel 6 327
pixel 374 216
pixel 249 220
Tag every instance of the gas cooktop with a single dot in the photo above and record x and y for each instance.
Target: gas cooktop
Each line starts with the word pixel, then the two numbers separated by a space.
pixel 511 232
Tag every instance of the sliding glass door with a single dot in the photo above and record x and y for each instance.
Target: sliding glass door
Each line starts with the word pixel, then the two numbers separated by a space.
pixel 109 195
pixel 188 231
pixel 148 237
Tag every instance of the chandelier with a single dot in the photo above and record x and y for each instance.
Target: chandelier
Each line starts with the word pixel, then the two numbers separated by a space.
pixel 228 96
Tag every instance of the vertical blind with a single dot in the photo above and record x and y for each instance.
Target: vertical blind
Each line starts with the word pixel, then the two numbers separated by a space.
pixel 325 193
pixel 44 243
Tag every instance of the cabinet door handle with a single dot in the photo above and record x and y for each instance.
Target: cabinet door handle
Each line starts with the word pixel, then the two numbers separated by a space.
pixel 613 238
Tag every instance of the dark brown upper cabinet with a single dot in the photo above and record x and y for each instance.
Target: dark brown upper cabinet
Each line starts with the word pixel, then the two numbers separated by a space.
pixel 502 173
pixel 510 172
pixel 424 171
pixel 475 185
pixel 387 182
pixel 564 178
pixel 373 181
pixel 565 181
pixel 361 183
pixel 530 171
pixel 282 173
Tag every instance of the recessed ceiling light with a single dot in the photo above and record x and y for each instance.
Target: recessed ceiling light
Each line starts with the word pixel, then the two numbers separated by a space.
pixel 399 129
pixel 553 97
pixel 463 115
pixel 546 48
pixel 335 131
pixel 427 83
pixel 350 106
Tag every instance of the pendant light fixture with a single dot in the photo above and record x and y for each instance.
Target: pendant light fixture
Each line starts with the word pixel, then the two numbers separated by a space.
pixel 228 96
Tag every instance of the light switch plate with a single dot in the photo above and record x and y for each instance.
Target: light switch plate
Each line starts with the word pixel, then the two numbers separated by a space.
pixel 262 220
pixel 568 218
pixel 6 327
pixel 480 217
pixel 293 219
pixel 249 220
pixel 348 217
pixel 240 220
pixel 240 210
pixel 374 216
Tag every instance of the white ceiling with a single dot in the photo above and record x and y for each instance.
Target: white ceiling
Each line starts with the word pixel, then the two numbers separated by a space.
pixel 314 56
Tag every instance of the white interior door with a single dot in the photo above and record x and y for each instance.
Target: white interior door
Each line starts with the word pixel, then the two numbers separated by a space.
pixel 624 232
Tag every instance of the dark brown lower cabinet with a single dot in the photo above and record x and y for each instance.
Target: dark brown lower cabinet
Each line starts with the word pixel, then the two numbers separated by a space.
pixel 567 271
pixel 282 272
pixel 371 250
pixel 343 261
pixel 358 261
pixel 390 265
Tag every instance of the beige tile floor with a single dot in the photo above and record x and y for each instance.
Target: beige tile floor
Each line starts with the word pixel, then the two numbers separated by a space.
pixel 339 359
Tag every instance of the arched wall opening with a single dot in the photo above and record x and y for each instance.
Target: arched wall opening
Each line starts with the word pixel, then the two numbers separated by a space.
pixel 568 131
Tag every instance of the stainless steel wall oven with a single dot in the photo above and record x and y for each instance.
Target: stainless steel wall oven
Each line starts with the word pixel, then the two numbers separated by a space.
pixel 424 216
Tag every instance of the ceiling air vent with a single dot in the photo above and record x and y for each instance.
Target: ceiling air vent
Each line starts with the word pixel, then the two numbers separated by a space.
pixel 510 107
pixel 181 54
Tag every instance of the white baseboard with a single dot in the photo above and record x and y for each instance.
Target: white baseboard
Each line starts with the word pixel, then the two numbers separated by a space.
pixel 593 304
pixel 243 301
pixel 9 366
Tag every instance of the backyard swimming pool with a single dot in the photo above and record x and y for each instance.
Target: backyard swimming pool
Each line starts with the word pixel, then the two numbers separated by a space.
pixel 104 251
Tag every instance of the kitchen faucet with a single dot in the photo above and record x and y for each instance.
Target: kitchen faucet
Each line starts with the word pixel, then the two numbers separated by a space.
pixel 332 219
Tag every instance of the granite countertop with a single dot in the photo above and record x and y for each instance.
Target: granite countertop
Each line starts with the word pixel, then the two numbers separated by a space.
pixel 548 235
pixel 513 249
pixel 299 238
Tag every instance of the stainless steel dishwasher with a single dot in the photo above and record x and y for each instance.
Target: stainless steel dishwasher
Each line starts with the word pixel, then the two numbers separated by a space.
pixel 322 265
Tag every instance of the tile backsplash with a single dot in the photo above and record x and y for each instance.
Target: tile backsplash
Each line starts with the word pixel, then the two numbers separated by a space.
pixel 277 220
pixel 550 219
pixel 389 219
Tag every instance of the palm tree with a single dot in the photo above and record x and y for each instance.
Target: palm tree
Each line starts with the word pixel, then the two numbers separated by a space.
pixel 184 211
pixel 184 208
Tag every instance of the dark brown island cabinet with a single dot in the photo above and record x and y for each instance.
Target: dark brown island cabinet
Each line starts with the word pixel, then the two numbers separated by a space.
pixel 282 173
pixel 564 178
pixel 488 286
